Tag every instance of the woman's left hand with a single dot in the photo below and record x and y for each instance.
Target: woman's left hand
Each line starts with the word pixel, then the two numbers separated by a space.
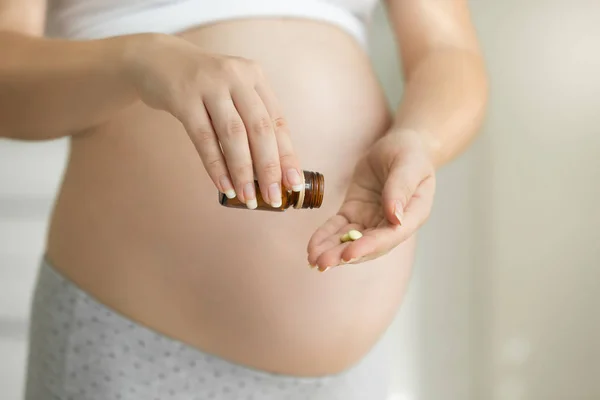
pixel 389 198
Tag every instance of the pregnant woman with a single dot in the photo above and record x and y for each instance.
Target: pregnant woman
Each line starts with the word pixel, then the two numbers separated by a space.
pixel 149 287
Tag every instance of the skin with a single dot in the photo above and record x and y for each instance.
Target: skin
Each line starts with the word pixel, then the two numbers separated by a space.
pixel 137 225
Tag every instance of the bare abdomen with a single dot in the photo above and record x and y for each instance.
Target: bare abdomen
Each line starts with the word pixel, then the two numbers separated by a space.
pixel 138 223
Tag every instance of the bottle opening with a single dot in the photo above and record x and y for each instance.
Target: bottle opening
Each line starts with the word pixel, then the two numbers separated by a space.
pixel 314 191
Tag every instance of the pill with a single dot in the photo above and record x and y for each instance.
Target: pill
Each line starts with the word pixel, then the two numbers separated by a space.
pixel 354 234
pixel 345 238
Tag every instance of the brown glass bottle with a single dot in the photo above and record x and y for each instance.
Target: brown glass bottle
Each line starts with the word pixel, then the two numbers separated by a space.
pixel 311 196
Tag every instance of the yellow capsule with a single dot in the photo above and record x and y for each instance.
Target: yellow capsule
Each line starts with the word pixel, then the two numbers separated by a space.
pixel 345 238
pixel 354 234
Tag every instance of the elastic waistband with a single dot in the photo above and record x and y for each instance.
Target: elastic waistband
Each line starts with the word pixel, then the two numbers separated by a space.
pixel 173 17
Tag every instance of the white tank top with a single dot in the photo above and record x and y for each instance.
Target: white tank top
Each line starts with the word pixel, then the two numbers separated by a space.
pixel 89 19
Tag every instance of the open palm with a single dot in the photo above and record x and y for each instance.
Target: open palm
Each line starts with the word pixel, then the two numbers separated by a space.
pixel 389 198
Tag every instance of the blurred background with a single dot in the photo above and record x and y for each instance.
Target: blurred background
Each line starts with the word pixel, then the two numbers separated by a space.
pixel 504 303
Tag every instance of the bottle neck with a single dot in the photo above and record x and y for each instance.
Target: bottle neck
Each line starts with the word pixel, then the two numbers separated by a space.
pixel 313 192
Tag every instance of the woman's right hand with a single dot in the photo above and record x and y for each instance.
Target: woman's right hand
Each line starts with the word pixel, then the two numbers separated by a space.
pixel 228 109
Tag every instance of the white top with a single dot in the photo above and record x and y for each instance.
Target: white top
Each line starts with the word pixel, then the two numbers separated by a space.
pixel 90 19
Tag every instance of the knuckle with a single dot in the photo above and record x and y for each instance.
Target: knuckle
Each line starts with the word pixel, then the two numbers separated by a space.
pixel 242 172
pixel 272 169
pixel 235 128
pixel 216 165
pixel 254 66
pixel 249 63
pixel 262 126
pixel 185 113
pixel 238 66
pixel 229 65
pixel 280 123
pixel 287 159
pixel 204 134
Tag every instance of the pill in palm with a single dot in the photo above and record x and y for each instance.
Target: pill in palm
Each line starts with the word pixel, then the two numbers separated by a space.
pixel 345 238
pixel 351 235
pixel 354 234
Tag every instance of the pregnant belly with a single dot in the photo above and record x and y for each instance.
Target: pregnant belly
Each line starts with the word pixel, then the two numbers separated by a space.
pixel 138 224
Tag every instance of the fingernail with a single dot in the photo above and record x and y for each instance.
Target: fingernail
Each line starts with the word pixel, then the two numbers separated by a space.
pixel 295 179
pixel 251 204
pixel 398 212
pixel 275 195
pixel 324 269
pixel 250 196
pixel 227 187
pixel 312 266
pixel 350 260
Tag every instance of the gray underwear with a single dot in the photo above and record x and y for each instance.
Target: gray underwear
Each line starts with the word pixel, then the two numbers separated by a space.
pixel 81 350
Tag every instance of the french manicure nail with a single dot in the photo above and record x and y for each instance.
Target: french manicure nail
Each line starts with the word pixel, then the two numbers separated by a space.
pixel 250 196
pixel 227 187
pixel 275 195
pixel 252 204
pixel 295 179
pixel 398 212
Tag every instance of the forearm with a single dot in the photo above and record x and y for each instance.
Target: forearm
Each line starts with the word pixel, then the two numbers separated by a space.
pixel 444 100
pixel 53 88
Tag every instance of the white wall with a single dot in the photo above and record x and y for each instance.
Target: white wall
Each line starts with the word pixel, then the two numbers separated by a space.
pixel 29 175
pixel 541 319
pixel 503 305
pixel 506 291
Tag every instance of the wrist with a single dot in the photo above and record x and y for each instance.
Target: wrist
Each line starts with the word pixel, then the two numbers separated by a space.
pixel 130 55
pixel 420 141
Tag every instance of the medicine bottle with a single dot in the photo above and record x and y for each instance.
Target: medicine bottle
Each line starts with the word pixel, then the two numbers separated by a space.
pixel 311 196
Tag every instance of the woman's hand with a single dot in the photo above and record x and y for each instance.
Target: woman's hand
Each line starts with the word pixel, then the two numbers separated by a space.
pixel 228 109
pixel 389 198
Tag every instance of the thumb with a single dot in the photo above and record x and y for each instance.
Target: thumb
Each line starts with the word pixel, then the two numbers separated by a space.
pixel 397 192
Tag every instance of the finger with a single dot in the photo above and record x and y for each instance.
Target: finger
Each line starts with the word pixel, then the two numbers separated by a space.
pixel 333 248
pixel 263 145
pixel 397 192
pixel 330 227
pixel 387 236
pixel 290 166
pixel 200 130
pixel 377 241
pixel 232 135
pixel 316 245
pixel 332 257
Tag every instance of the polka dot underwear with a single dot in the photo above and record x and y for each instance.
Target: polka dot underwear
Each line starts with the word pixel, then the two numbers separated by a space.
pixel 81 350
